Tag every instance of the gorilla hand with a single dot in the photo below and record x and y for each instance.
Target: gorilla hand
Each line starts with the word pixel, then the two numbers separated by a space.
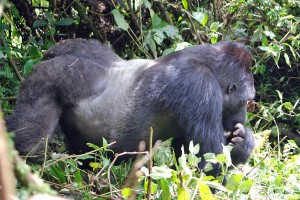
pixel 243 143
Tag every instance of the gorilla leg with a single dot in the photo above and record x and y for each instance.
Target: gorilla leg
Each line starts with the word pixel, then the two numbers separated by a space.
pixel 33 119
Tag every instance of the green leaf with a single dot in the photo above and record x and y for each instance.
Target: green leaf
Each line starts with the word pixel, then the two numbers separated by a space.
pixel 158 36
pixel 165 194
pixel 269 34
pixel 209 157
pixel 39 23
pixel 119 18
pixel 126 192
pixel 78 178
pixel 185 4
pixel 15 11
pixel 104 143
pixel 279 95
pixel 34 52
pixel 93 146
pixel 208 167
pixel 214 26
pixel 214 38
pixel 28 66
pixel 287 59
pixel 105 161
pixel 233 182
pixel 171 31
pixel 56 173
pixel 147 4
pixel 95 165
pixel 155 19
pixel 288 106
pixel 215 185
pixel 64 22
pixel 205 192
pixel 201 17
pixel 161 172
pixel 183 194
pixel 245 186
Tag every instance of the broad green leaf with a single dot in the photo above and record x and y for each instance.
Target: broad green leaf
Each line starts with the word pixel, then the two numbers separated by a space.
pixel 234 181
pixel 264 48
pixel 208 167
pixel 185 4
pixel 278 180
pixel 288 106
pixel 49 17
pixel 165 194
pixel 245 186
pixel 205 192
pixel 34 52
pixel 171 31
pixel 158 36
pixel 183 194
pixel 119 18
pixel 214 26
pixel 269 34
pixel 105 161
pixel 155 19
pixel 161 172
pixel 147 4
pixel 214 38
pixel 95 165
pixel 201 17
pixel 215 185
pixel 209 156
pixel 64 22
pixel 39 23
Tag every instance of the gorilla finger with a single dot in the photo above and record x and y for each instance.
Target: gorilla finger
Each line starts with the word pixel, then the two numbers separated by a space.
pixel 239 130
pixel 237 140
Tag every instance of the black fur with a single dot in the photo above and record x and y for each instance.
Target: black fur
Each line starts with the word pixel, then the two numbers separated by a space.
pixel 194 94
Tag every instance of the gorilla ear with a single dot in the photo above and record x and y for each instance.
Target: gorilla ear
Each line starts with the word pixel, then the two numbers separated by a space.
pixel 231 88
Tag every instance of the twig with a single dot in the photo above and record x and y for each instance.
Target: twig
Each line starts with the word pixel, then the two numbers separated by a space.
pixel 150 163
pixel 114 160
pixel 74 156
pixel 15 68
pixel 7 189
pixel 82 14
pixel 215 10
pixel 163 11
pixel 267 155
pixel 192 24
pixel 45 155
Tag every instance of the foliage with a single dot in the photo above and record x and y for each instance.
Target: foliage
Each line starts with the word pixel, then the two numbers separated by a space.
pixel 150 29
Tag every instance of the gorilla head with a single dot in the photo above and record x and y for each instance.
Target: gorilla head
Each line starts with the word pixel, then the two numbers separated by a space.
pixel 195 94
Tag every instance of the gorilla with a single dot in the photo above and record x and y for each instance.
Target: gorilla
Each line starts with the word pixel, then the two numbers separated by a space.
pixel 199 93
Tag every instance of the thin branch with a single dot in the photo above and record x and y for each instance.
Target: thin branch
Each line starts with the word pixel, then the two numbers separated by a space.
pixel 267 155
pixel 150 163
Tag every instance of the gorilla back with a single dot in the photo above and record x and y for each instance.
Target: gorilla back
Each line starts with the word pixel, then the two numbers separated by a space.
pixel 195 94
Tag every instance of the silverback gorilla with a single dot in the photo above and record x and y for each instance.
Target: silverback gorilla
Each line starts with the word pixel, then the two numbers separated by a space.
pixel 198 94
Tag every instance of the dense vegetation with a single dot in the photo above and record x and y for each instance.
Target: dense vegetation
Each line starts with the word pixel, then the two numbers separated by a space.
pixel 150 29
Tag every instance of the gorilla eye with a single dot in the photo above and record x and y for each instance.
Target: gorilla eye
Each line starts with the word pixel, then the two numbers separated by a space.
pixel 231 88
